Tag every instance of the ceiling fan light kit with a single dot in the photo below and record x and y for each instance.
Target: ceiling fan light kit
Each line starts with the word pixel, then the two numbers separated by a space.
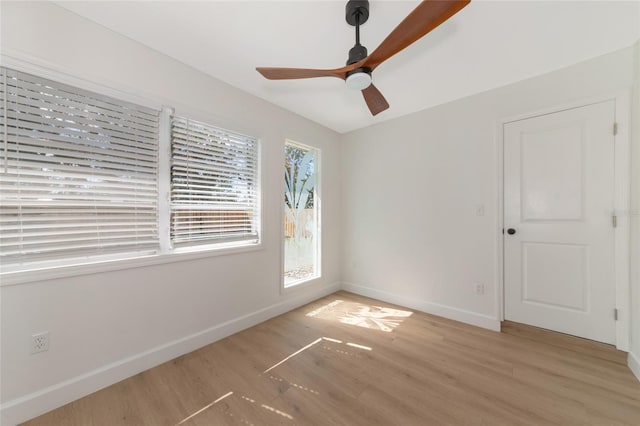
pixel 428 15
pixel 358 80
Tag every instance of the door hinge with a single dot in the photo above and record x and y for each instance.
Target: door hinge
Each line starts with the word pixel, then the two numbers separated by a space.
pixel 614 220
pixel 615 129
pixel 615 314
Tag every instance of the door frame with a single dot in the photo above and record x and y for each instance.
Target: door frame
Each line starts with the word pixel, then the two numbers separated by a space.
pixel 622 204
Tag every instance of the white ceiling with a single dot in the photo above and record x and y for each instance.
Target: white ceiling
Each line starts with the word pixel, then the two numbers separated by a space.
pixel 486 45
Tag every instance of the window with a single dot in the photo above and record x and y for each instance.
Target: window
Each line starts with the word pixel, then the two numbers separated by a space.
pixel 79 172
pixel 83 179
pixel 214 176
pixel 301 214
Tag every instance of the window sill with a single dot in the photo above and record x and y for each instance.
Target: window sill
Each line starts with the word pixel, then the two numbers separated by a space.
pixel 87 267
pixel 303 283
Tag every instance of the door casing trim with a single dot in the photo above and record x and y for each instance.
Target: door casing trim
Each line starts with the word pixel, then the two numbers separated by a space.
pixel 622 204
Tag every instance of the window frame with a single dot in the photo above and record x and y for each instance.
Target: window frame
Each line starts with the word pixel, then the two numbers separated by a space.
pixel 303 283
pixel 26 272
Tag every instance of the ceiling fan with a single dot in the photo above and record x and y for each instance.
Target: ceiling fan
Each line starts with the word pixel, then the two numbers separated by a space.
pixel 357 73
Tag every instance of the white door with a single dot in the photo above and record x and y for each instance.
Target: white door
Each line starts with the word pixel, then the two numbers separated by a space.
pixel 558 206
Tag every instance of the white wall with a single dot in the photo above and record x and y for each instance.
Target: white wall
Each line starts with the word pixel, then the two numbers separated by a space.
pixel 107 326
pixel 634 355
pixel 413 185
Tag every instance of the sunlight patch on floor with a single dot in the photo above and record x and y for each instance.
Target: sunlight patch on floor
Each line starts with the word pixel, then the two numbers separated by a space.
pixel 355 345
pixel 340 351
pixel 324 308
pixel 204 408
pixel 345 351
pixel 243 421
pixel 318 340
pixel 292 355
pixel 295 385
pixel 275 410
pixel 268 407
pixel 360 315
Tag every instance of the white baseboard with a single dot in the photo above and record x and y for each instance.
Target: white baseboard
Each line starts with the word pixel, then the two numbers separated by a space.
pixel 39 402
pixel 633 361
pixel 456 314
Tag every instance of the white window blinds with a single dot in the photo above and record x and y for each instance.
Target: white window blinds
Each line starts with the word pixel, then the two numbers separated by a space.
pixel 79 171
pixel 214 178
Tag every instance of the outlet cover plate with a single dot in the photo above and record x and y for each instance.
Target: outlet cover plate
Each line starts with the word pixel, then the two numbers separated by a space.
pixel 40 342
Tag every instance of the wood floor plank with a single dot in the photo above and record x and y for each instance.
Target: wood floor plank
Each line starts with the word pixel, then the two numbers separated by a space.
pixel 578 345
pixel 350 360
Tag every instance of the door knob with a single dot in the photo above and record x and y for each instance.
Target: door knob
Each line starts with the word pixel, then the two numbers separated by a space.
pixel 511 231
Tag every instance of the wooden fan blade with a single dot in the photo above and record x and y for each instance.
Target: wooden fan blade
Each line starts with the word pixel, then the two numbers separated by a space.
pixel 424 18
pixel 374 99
pixel 295 73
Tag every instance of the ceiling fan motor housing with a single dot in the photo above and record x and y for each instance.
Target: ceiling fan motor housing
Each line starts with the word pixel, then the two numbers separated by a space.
pixel 356 53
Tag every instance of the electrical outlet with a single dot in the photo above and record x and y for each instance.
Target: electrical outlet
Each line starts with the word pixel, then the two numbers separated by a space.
pixel 479 288
pixel 40 342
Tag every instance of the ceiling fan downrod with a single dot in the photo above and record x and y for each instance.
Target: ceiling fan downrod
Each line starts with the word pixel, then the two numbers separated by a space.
pixel 357 13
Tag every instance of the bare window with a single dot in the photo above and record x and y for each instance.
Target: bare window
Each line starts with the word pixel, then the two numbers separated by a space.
pixel 301 217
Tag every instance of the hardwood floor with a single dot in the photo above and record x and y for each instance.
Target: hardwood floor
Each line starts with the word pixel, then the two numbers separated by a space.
pixel 343 361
